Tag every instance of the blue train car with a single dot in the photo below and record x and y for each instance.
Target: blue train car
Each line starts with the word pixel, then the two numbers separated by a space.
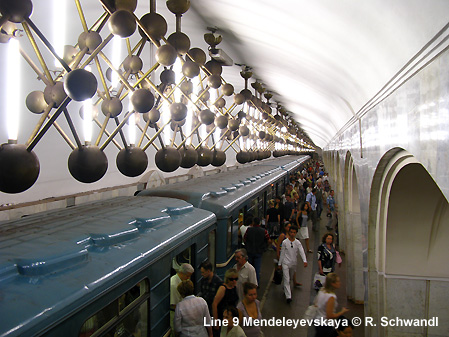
pixel 230 194
pixel 99 269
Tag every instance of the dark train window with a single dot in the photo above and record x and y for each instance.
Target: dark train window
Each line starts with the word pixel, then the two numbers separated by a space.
pixel 184 257
pixel 229 249
pixel 127 315
pixel 211 247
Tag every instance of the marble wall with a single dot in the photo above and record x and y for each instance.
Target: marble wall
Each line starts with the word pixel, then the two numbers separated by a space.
pixel 415 118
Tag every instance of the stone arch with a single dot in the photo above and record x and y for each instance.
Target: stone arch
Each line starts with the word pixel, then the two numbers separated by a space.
pixel 408 229
pixel 351 227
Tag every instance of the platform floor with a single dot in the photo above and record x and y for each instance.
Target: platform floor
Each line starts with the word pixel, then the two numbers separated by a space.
pixel 273 300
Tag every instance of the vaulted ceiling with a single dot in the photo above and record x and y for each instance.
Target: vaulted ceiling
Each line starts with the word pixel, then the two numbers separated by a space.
pixel 325 62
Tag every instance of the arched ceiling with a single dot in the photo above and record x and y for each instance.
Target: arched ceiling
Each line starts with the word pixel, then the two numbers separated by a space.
pixel 324 58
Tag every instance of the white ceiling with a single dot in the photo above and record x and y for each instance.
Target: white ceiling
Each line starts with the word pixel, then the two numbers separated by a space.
pixel 324 58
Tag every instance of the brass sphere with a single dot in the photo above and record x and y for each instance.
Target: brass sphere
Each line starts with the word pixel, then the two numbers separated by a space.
pixel 153 116
pixel 19 168
pixel 178 111
pixel 233 124
pixel 87 164
pixel 128 5
pixel 166 55
pixel 167 159
pixel 198 55
pixel 168 77
pixel 154 24
pixel 221 122
pixel 214 67
pixel 180 41
pixel 80 84
pixel 219 158
pixel 241 114
pixel 205 97
pixel 244 131
pixel 35 102
pixel 190 69
pixel 132 161
pixel 16 10
pixel 207 117
pixel 133 64
pixel 122 23
pixel 112 106
pixel 189 157
pixel 205 156
pixel 242 157
pixel 227 89
pixel 142 100
pixel 239 99
pixel 247 94
pixel 91 40
pixel 178 6
pixel 214 81
pixel 54 95
pixel 221 102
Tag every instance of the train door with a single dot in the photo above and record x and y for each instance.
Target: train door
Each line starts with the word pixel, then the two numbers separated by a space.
pixel 265 201
pixel 261 201
pixel 126 315
pixel 212 246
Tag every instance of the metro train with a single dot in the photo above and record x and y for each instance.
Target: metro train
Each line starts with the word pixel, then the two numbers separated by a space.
pixel 104 268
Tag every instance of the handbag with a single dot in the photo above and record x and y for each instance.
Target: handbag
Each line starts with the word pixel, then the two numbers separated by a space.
pixel 318 281
pixel 311 310
pixel 277 278
pixel 338 257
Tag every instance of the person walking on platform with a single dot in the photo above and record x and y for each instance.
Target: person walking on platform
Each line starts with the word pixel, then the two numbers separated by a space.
pixel 231 329
pixel 311 199
pixel 326 302
pixel 301 220
pixel 326 254
pixel 332 208
pixel 279 241
pixel 319 199
pixel 246 272
pixel 250 307
pixel 226 294
pixel 289 259
pixel 256 241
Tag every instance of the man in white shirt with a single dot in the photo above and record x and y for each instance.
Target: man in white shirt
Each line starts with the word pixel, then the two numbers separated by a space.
pixel 289 259
pixel 183 274
pixel 246 271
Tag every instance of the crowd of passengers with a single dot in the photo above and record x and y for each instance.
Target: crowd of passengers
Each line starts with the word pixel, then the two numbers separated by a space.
pixel 221 306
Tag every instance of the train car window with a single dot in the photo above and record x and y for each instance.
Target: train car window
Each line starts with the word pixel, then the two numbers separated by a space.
pixel 229 249
pixel 211 247
pixel 127 315
pixel 254 207
pixel 184 257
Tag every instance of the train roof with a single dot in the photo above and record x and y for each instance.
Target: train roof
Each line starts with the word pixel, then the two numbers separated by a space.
pixel 52 262
pixel 221 193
